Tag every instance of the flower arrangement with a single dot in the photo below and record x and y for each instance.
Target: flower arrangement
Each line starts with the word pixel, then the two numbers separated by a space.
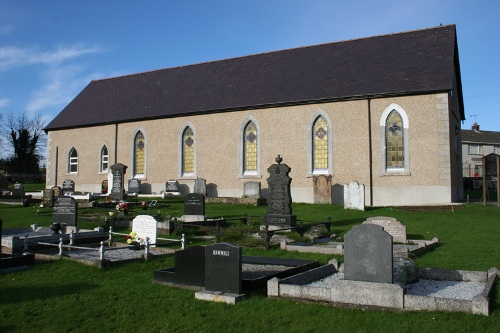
pixel 133 239
pixel 122 207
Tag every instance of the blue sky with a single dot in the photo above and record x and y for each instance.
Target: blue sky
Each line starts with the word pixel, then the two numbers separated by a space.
pixel 50 50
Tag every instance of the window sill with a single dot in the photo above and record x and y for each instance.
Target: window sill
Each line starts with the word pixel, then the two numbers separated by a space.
pixel 396 173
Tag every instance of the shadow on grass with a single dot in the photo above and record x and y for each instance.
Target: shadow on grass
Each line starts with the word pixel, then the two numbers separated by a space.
pixel 29 293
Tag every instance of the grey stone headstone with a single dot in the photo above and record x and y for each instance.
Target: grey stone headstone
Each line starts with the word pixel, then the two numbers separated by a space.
pixel 47 198
pixel 194 204
pixel 172 186
pixel 68 186
pixel 18 190
pixel 134 186
pixel 322 188
pixel 279 200
pixel 118 171
pixel 65 211
pixel 200 186
pixel 190 266
pixel 354 196
pixel 223 268
pixel 56 193
pixel 391 225
pixel 368 254
pixel 251 190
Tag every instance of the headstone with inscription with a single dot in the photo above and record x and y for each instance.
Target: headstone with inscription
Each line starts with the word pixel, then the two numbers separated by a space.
pixel 368 254
pixel 134 186
pixel 223 268
pixel 251 190
pixel 279 200
pixel 145 226
pixel 47 198
pixel 117 190
pixel 354 196
pixel 200 186
pixel 172 186
pixel 56 193
pixel 194 208
pixel 68 186
pixel 392 226
pixel 18 190
pixel 65 211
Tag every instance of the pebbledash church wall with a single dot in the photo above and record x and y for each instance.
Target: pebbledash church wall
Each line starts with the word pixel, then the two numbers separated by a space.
pixel 282 130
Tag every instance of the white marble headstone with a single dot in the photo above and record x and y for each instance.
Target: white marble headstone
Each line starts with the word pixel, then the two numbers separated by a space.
pixel 145 226
pixel 354 196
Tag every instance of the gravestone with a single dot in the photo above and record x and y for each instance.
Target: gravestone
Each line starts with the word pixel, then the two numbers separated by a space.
pixel 56 193
pixel 279 200
pixel 172 186
pixel 145 226
pixel 194 207
pixel 354 196
pixel 322 188
pixel 65 211
pixel 4 184
pixel 18 190
pixel 68 186
pixel 47 198
pixel 200 186
pixel 223 268
pixel 251 190
pixel 134 186
pixel 392 226
pixel 118 171
pixel 190 266
pixel 368 254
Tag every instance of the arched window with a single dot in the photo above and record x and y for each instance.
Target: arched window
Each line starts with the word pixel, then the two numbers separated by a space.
pixel 73 161
pixel 394 138
pixel 139 154
pixel 250 141
pixel 104 165
pixel 394 152
pixel 320 145
pixel 188 146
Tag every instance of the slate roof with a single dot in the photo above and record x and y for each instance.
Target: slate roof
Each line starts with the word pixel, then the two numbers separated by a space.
pixel 396 64
pixel 483 137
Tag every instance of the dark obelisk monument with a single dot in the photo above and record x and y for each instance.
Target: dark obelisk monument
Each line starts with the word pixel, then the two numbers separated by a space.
pixel 279 200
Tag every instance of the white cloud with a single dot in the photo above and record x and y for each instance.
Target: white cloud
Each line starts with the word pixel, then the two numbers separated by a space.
pixel 12 56
pixel 4 102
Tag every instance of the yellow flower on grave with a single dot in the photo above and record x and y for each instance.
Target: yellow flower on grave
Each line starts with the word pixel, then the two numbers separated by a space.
pixel 129 241
pixel 133 234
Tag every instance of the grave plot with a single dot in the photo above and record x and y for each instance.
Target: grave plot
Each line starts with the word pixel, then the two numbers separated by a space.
pixel 369 277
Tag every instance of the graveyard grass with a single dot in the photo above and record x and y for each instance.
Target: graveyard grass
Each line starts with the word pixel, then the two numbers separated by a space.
pixel 64 296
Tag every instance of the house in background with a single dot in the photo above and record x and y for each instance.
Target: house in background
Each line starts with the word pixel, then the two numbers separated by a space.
pixel 475 145
pixel 384 111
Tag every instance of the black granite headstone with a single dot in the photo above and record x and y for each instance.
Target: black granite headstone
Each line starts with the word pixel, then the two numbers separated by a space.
pixel 279 200
pixel 134 186
pixel 172 186
pixel 194 204
pixel 4 184
pixel 18 190
pixel 68 186
pixel 368 254
pixel 65 211
pixel 190 266
pixel 223 268
pixel 117 191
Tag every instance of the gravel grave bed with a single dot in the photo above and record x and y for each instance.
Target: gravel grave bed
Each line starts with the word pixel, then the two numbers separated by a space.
pixel 251 271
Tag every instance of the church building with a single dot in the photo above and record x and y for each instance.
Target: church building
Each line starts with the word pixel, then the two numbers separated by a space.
pixel 384 111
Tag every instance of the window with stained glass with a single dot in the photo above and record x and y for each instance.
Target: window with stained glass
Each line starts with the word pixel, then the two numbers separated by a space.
pixel 250 148
pixel 188 151
pixel 104 159
pixel 73 161
pixel 394 142
pixel 139 156
pixel 320 144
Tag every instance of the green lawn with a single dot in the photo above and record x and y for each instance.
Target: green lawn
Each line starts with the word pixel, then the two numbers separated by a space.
pixel 63 296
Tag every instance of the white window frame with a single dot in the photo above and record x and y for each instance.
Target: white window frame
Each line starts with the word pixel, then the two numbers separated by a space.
pixel 405 170
pixel 134 174
pixel 475 149
pixel 241 160
pixel 73 161
pixel 180 166
pixel 310 145
pixel 104 160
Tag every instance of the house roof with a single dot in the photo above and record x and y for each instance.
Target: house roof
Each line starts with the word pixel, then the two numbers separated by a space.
pixel 404 63
pixel 482 137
